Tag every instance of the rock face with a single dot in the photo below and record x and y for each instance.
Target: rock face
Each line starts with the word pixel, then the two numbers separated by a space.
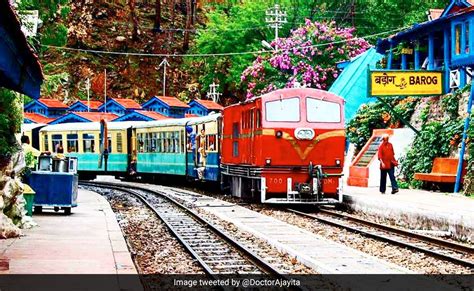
pixel 12 203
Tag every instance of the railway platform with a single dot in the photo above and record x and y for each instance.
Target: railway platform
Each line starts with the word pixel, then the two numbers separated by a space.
pixel 416 209
pixel 89 241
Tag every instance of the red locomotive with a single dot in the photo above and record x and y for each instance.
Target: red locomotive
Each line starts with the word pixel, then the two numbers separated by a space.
pixel 286 146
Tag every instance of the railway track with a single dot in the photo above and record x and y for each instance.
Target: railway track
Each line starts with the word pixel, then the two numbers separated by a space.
pixel 441 249
pixel 216 252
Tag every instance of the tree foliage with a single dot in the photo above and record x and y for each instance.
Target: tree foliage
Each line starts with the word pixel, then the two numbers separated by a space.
pixel 307 57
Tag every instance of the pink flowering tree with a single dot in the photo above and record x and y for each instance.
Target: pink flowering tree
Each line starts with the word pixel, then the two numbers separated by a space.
pixel 308 56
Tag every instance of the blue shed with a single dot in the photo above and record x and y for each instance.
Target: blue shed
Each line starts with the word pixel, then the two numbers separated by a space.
pixel 168 106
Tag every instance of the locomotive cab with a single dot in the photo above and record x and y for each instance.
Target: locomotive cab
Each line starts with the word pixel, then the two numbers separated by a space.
pixel 285 147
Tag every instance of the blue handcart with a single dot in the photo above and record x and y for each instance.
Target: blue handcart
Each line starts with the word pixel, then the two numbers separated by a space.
pixel 55 183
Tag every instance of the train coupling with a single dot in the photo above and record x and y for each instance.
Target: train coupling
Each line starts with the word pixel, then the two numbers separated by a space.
pixel 303 188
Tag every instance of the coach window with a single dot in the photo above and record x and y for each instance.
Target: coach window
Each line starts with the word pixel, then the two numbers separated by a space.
pixel 160 142
pixel 182 142
pixel 46 143
pixel 119 142
pixel 72 143
pixel 109 142
pixel 322 111
pixel 57 139
pixel 283 110
pixel 88 142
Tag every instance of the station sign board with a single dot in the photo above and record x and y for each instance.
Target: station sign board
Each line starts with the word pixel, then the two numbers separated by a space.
pixel 405 83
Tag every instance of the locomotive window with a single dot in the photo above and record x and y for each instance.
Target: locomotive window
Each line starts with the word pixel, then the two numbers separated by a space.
pixel 119 142
pixel 252 119
pixel 235 130
pixel 88 142
pixel 322 111
pixel 284 110
pixel 258 119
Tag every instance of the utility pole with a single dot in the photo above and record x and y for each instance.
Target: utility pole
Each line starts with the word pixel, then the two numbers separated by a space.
pixel 105 90
pixel 213 94
pixel 275 18
pixel 88 86
pixel 164 63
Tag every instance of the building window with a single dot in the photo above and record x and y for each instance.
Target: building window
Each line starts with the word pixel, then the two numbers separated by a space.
pixel 88 143
pixel 457 38
pixel 72 143
pixel 466 37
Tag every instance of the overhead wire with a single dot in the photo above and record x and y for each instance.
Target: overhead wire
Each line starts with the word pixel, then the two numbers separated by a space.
pixel 258 52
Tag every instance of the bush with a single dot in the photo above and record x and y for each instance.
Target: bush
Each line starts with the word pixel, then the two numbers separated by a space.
pixel 376 116
pixel 10 122
pixel 55 35
pixel 435 139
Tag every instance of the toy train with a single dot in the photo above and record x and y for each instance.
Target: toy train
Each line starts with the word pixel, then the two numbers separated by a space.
pixel 286 147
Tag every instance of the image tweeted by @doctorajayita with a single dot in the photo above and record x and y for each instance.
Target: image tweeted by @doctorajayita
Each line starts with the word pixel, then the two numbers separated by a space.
pixel 152 145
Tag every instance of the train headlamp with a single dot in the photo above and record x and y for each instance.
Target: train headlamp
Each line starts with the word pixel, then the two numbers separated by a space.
pixel 268 161
pixel 279 134
pixel 304 133
pixel 338 162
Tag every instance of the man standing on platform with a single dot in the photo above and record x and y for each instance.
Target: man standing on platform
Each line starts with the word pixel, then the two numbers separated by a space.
pixel 387 165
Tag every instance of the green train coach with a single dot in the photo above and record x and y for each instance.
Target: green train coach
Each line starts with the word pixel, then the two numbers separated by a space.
pixel 140 149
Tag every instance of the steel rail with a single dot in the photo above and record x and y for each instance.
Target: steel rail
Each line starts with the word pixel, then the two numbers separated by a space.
pixel 459 261
pixel 442 243
pixel 244 251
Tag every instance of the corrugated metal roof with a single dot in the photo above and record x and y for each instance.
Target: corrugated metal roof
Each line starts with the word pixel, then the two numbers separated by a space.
pixel 38 118
pixel 352 82
pixel 209 104
pixel 74 126
pixel 52 103
pixel 173 101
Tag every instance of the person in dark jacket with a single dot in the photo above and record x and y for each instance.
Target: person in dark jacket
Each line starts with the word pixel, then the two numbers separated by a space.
pixel 388 163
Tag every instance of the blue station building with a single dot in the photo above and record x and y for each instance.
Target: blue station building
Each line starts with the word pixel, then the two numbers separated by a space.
pixel 444 43
pixel 85 106
pixel 119 106
pixel 50 108
pixel 168 106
